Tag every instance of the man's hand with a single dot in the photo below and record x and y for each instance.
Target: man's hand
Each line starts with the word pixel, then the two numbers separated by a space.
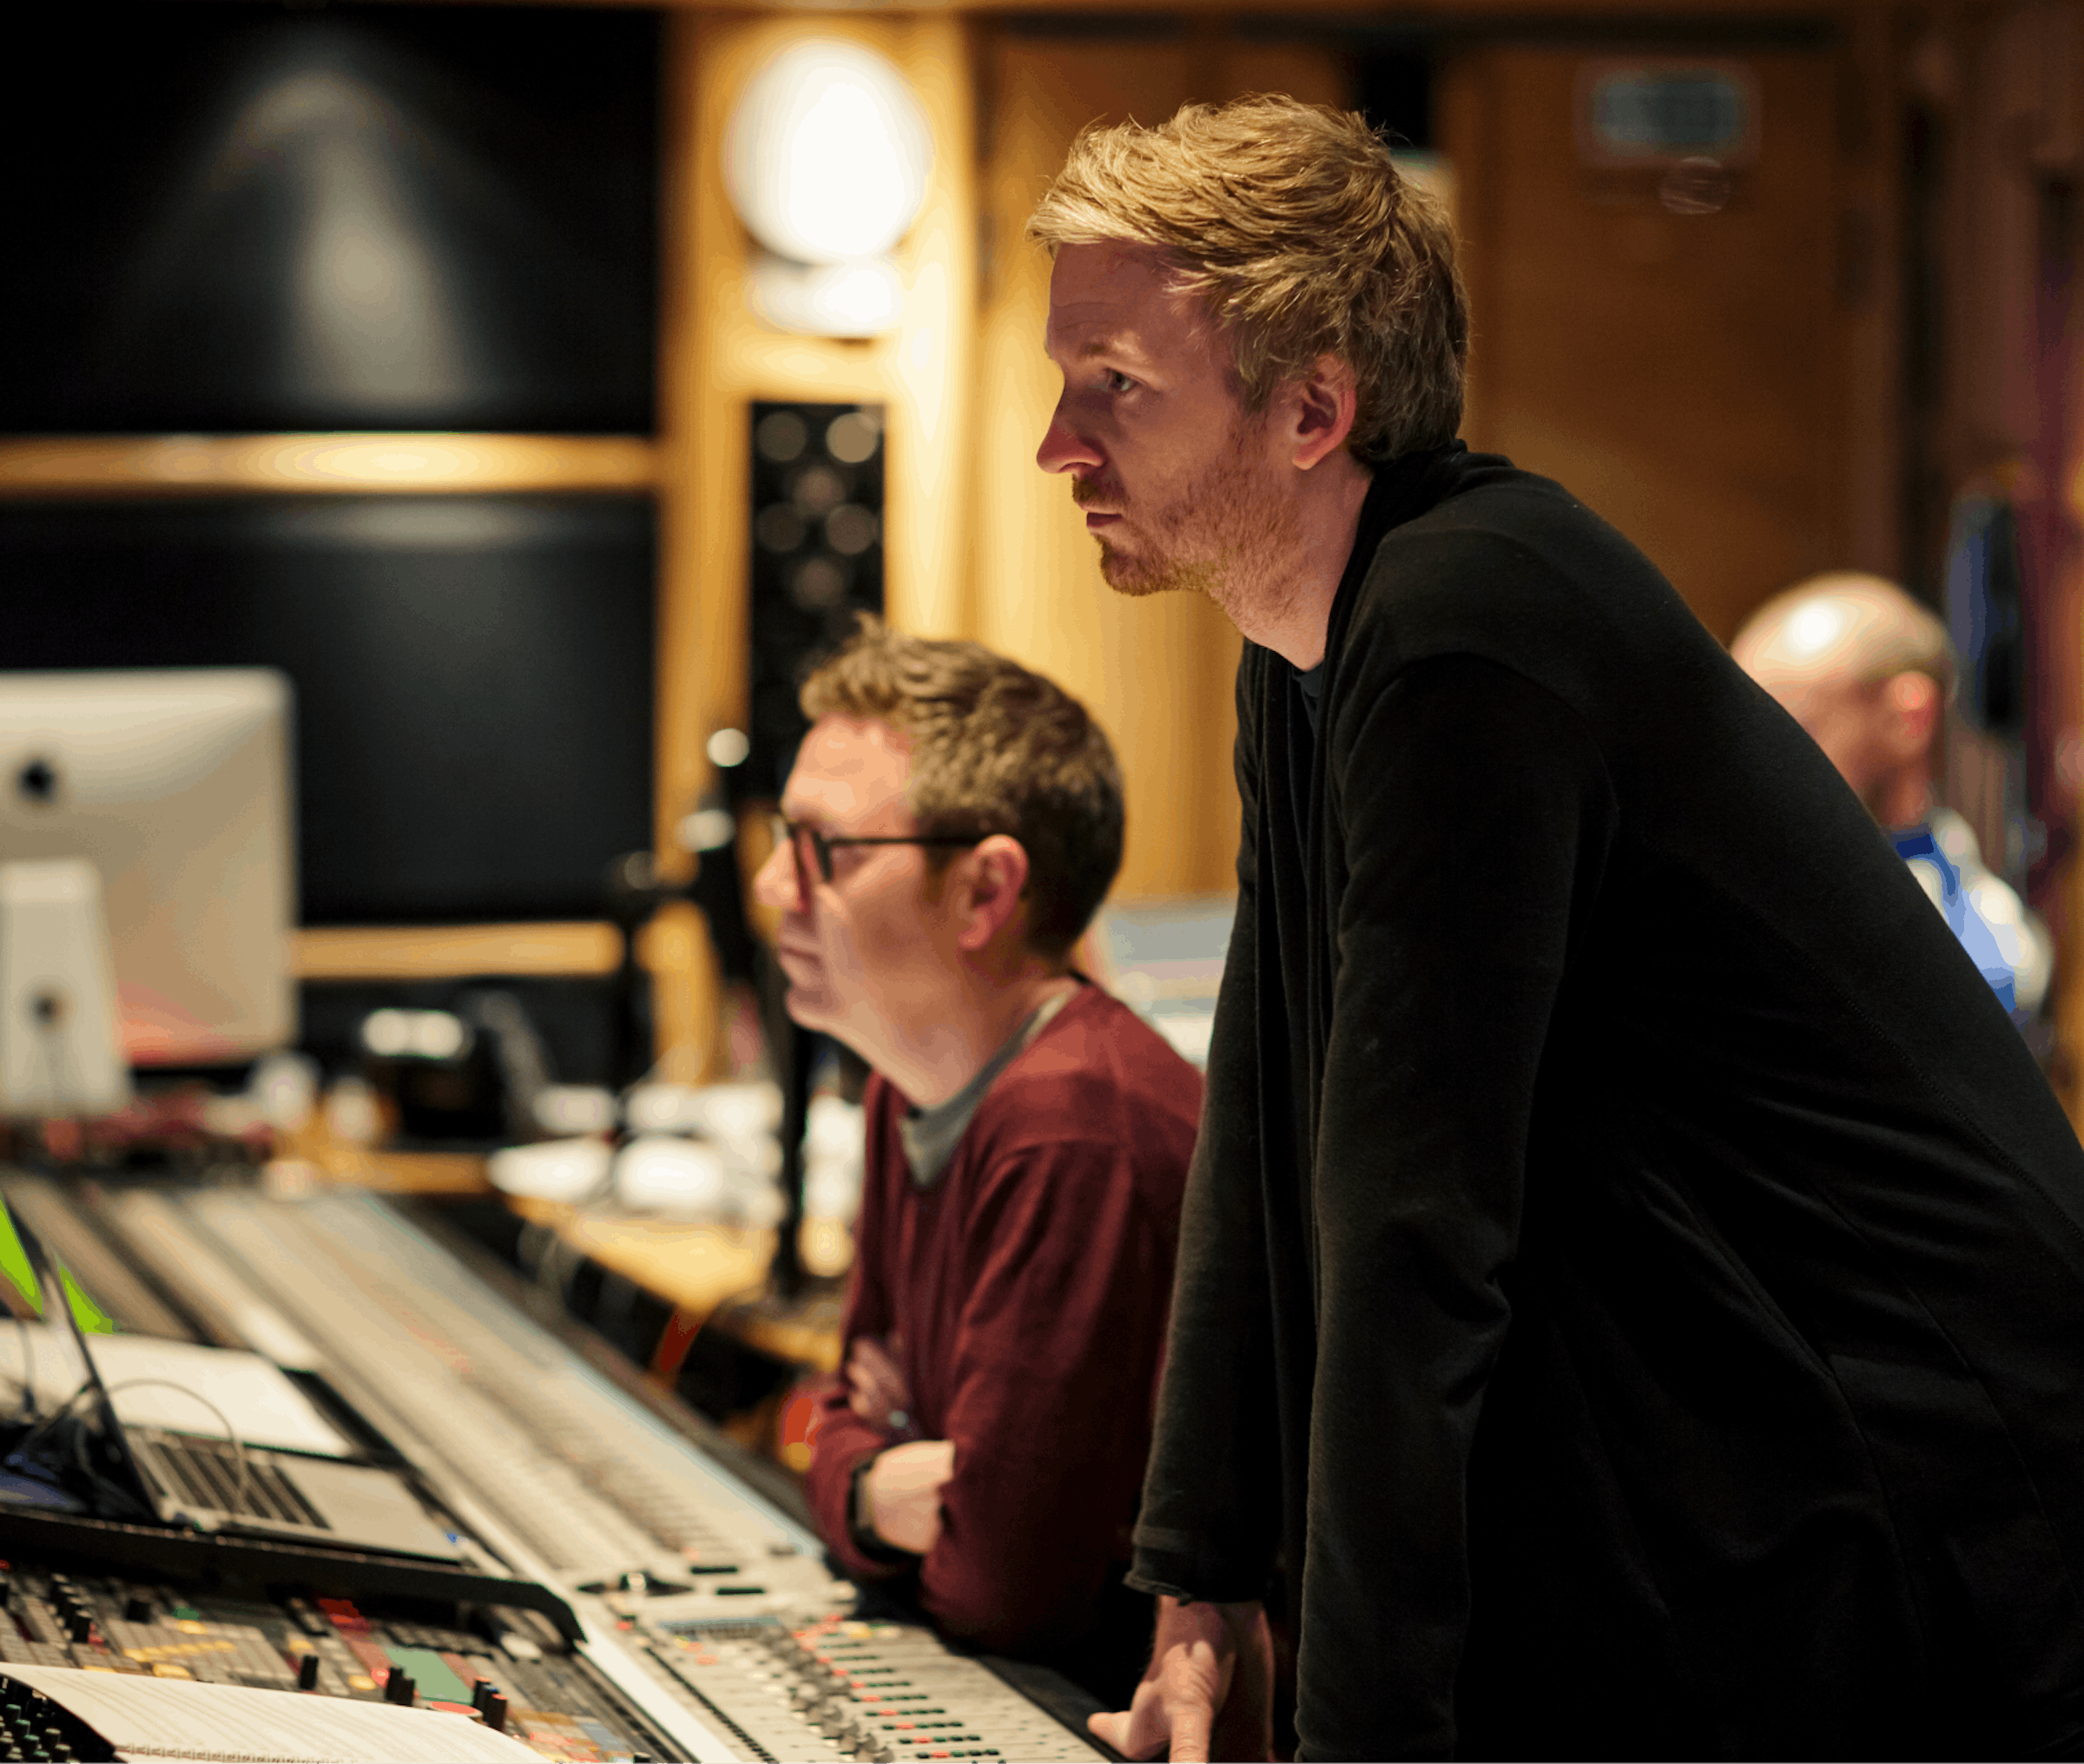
pixel 903 1491
pixel 1209 1691
pixel 876 1387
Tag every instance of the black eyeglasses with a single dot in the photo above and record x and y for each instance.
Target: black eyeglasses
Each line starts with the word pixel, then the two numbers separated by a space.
pixel 823 845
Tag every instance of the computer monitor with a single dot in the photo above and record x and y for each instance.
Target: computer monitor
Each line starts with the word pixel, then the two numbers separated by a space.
pixel 175 785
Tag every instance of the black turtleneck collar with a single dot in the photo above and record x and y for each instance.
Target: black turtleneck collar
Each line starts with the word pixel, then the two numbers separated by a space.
pixel 1401 491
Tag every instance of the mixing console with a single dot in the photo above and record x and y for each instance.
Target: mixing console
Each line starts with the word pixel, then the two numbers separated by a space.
pixel 589 1486
pixel 711 1628
pixel 509 1669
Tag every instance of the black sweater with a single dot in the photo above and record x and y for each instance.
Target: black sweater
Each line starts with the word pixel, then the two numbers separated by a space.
pixel 1632 1273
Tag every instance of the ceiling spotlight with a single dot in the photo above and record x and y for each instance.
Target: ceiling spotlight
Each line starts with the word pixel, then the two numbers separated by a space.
pixel 828 153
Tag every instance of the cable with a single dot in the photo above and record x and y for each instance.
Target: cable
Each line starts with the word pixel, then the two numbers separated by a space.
pixel 243 1482
pixel 19 1457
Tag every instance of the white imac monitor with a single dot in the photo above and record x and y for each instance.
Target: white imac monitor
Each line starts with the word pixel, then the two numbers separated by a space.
pixel 176 786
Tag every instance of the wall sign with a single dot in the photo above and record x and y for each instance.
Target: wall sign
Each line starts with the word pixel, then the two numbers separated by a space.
pixel 1650 115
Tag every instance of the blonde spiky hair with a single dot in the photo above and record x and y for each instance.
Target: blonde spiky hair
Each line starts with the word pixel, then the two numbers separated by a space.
pixel 1290 221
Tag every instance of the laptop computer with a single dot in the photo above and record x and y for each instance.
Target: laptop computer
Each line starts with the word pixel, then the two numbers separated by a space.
pixel 177 1478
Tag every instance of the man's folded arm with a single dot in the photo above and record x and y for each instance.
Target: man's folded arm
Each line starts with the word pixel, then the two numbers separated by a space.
pixel 1475 816
pixel 844 1443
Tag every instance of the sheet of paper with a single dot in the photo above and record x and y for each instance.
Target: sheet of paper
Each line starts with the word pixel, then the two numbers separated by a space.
pixel 263 1407
pixel 151 1718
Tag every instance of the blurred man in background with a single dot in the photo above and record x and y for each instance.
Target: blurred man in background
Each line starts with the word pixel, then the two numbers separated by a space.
pixel 1630 1280
pixel 952 823
pixel 1869 674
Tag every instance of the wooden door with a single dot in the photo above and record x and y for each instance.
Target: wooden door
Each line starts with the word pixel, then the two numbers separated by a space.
pixel 1683 373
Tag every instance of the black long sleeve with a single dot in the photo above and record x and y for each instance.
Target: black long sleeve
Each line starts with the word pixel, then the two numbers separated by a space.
pixel 1210 1519
pixel 1631 1276
pixel 1474 816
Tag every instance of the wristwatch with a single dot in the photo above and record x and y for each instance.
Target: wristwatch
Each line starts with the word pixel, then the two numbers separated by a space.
pixel 860 1529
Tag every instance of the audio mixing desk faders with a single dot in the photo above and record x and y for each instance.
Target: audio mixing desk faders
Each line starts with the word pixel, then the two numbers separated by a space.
pixel 845 1689
pixel 708 1626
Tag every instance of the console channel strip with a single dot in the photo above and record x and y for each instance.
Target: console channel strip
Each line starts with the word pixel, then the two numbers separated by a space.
pixel 509 1669
pixel 700 1597
pixel 839 1689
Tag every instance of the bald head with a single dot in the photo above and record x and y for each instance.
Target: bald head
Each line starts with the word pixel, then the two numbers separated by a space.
pixel 1867 672
pixel 1855 629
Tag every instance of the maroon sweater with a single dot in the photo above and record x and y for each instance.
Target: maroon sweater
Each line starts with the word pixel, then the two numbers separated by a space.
pixel 1029 1286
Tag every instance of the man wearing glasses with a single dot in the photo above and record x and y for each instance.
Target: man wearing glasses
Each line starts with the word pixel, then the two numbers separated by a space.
pixel 952 823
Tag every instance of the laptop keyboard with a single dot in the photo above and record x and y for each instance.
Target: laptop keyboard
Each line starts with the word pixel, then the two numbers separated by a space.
pixel 204 1474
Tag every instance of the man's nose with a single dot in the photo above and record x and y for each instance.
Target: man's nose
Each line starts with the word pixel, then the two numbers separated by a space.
pixel 1063 449
pixel 775 882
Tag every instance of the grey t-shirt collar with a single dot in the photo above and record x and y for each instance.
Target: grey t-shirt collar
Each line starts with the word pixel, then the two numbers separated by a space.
pixel 930 1135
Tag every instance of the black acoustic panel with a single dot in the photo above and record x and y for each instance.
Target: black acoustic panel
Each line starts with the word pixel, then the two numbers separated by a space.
pixel 473 675
pixel 240 217
pixel 817 560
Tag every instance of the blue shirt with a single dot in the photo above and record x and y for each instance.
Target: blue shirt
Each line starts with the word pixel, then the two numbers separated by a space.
pixel 2001 937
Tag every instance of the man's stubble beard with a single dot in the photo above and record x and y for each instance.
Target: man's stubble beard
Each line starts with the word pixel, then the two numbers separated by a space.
pixel 1230 524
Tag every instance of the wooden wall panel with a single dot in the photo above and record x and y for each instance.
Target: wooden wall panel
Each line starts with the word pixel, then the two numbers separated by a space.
pixel 715 358
pixel 412 462
pixel 719 358
pixel 2003 89
pixel 1683 374
pixel 1870 288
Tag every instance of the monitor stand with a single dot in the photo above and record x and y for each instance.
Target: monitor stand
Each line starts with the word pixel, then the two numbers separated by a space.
pixel 60 1051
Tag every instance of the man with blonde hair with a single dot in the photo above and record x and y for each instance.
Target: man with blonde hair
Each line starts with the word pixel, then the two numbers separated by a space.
pixel 952 821
pixel 1629 1280
pixel 1869 673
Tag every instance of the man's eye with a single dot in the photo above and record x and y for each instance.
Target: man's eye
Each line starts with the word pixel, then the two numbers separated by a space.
pixel 1118 381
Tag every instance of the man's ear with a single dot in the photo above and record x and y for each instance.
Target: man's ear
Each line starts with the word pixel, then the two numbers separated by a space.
pixel 1912 700
pixel 1323 404
pixel 989 880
